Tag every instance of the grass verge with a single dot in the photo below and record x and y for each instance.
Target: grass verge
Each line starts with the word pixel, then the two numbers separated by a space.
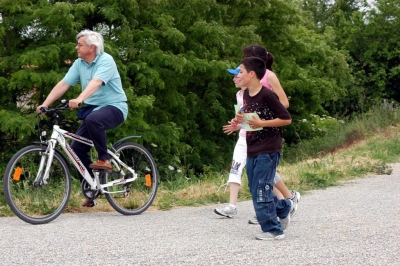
pixel 369 144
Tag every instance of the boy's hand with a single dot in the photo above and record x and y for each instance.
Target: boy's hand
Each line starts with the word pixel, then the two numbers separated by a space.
pixel 229 129
pixel 255 122
pixel 232 127
pixel 239 117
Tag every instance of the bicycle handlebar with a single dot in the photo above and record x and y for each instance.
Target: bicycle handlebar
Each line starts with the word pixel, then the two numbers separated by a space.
pixel 62 106
pixel 52 112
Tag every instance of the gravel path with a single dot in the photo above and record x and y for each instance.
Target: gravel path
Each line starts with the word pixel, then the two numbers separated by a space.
pixel 354 224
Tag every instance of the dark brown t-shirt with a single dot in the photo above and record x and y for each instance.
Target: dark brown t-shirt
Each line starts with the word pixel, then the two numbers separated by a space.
pixel 267 105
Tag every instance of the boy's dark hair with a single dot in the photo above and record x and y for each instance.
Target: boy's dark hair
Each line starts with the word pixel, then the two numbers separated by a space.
pixel 255 64
pixel 259 51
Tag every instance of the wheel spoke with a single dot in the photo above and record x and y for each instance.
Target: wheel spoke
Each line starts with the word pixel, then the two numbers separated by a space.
pixel 134 197
pixel 31 201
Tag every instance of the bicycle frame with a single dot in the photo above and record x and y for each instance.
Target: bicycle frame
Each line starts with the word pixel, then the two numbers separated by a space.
pixel 58 137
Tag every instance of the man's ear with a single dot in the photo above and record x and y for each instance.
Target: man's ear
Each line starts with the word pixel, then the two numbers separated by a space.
pixel 252 74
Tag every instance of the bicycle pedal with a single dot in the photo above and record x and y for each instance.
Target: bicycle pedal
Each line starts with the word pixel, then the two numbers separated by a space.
pixel 93 203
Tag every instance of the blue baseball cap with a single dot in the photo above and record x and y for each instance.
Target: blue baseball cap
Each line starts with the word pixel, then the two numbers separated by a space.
pixel 235 71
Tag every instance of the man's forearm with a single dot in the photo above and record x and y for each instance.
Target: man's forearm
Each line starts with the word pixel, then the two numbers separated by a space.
pixel 56 93
pixel 90 89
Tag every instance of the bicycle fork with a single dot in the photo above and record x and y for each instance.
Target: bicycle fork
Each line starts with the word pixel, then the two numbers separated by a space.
pixel 45 164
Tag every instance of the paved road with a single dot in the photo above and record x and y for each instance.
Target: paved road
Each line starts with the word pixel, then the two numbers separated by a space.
pixel 354 224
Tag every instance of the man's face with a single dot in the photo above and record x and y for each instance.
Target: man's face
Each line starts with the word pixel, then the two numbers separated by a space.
pixel 243 77
pixel 83 49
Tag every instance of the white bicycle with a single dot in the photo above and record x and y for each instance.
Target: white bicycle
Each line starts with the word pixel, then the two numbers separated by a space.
pixel 37 180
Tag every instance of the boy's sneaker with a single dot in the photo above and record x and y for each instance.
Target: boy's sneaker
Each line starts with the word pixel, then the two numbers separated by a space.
pixel 295 200
pixel 227 211
pixel 293 210
pixel 285 221
pixel 253 220
pixel 295 195
pixel 269 236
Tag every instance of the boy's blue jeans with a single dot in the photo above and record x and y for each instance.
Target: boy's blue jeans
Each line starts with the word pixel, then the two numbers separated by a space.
pixel 261 172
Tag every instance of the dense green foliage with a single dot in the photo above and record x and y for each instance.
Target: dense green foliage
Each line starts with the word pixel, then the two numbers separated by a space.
pixel 172 56
pixel 370 39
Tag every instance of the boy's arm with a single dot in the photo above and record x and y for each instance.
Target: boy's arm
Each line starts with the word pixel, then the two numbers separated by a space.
pixel 283 117
pixel 277 122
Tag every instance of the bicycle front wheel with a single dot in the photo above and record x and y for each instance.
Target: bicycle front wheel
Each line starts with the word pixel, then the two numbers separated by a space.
pixel 36 202
pixel 135 197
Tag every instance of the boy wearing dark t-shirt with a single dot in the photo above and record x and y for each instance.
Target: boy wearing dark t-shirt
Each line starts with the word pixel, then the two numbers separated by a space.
pixel 264 148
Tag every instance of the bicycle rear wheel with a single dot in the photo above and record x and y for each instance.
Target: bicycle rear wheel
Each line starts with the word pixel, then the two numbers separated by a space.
pixel 134 197
pixel 36 203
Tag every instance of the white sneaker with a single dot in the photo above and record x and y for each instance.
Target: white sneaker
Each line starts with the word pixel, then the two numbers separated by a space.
pixel 253 220
pixel 269 236
pixel 285 221
pixel 295 195
pixel 295 200
pixel 227 211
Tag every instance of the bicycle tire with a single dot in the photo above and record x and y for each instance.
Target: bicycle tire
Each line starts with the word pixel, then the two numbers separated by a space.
pixel 143 190
pixel 40 203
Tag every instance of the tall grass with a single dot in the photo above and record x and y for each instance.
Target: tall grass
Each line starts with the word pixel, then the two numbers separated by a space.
pixel 366 144
pixel 372 155
pixel 358 128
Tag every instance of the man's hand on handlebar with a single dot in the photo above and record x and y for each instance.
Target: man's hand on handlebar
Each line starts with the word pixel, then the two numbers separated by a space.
pixel 74 103
pixel 65 104
pixel 41 109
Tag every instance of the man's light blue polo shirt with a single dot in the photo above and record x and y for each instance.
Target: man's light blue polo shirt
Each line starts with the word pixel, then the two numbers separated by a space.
pixel 104 68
